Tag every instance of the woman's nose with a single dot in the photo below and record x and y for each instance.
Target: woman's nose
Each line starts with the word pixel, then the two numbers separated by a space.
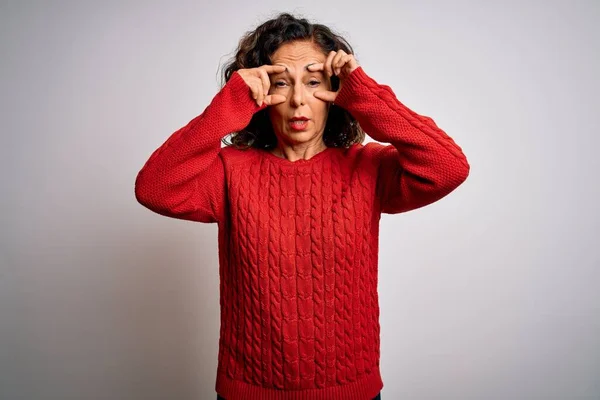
pixel 298 95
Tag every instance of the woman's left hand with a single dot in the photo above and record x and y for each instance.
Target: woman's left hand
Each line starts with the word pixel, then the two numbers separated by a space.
pixel 338 63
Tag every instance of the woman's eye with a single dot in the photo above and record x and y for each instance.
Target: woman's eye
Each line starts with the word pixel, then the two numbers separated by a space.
pixel 282 83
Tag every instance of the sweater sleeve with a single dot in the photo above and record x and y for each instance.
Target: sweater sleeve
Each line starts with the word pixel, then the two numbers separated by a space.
pixel 421 165
pixel 184 178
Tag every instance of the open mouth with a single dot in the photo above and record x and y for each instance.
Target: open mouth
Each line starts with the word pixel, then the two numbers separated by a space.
pixel 299 124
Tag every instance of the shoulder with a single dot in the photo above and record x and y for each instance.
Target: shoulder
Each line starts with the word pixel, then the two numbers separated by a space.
pixel 369 152
pixel 376 147
pixel 232 155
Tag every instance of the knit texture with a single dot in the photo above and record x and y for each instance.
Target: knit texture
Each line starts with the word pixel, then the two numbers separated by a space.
pixel 298 241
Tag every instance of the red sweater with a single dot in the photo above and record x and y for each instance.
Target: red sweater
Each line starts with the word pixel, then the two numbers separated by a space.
pixel 298 241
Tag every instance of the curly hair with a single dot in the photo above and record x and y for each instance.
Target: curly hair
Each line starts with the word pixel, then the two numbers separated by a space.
pixel 256 48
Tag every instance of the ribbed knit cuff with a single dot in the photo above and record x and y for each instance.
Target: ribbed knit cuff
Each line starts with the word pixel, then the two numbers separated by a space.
pixel 356 78
pixel 243 94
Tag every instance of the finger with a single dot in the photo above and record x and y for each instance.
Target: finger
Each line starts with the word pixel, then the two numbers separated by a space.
pixel 258 84
pixel 271 69
pixel 266 81
pixel 335 63
pixel 353 63
pixel 344 61
pixel 319 67
pixel 325 95
pixel 260 94
pixel 316 67
pixel 328 68
pixel 252 85
pixel 256 91
pixel 274 99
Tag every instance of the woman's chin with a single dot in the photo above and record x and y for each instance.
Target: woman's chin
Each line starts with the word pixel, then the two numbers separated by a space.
pixel 299 136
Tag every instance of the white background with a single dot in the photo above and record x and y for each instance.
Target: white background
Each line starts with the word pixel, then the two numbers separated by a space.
pixel 492 293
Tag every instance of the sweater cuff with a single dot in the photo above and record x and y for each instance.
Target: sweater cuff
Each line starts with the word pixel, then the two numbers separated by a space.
pixel 357 78
pixel 243 94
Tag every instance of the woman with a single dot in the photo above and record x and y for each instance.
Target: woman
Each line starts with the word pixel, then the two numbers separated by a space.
pixel 298 198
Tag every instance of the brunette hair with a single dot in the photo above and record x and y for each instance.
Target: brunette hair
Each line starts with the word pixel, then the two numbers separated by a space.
pixel 255 49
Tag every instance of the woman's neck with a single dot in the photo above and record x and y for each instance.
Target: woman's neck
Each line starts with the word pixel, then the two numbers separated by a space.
pixel 298 153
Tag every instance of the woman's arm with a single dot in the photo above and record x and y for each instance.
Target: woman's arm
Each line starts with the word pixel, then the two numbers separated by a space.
pixel 184 178
pixel 422 164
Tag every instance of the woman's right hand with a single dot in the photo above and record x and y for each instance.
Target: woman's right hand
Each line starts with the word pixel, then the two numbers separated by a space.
pixel 259 82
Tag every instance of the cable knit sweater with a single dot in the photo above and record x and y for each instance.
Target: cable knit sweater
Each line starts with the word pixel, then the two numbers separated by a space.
pixel 298 241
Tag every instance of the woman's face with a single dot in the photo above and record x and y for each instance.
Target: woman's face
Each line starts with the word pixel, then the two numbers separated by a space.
pixel 298 84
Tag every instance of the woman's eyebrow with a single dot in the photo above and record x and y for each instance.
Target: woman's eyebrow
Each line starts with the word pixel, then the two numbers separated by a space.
pixel 305 68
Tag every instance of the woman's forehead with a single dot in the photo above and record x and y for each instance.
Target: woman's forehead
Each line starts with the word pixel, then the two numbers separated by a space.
pixel 297 52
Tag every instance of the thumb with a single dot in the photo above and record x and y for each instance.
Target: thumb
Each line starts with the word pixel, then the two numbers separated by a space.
pixel 274 99
pixel 325 95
